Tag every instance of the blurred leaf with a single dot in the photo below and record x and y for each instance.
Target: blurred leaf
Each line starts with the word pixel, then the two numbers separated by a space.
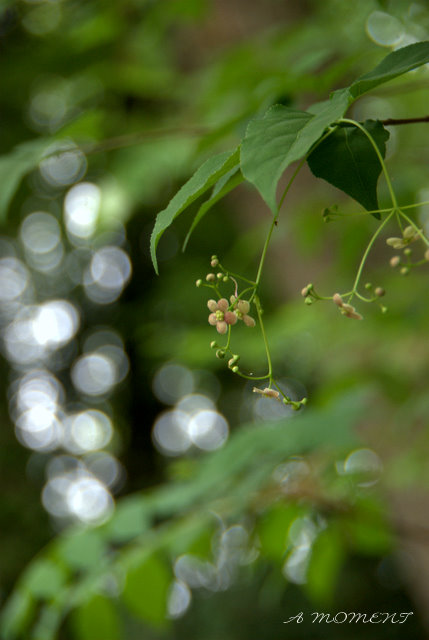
pixel 130 519
pixel 44 578
pixel 82 550
pixel 145 591
pixel 205 177
pixel 326 559
pixel 226 184
pixel 273 528
pixel 347 160
pixel 97 618
pixel 395 64
pixel 16 615
pixel 282 136
pixel 13 167
pixel 368 529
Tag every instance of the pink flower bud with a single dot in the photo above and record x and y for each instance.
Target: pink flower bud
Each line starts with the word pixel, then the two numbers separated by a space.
pixel 338 300
pixel 223 304
pixel 212 305
pixel 230 317
pixel 222 327
pixel 249 321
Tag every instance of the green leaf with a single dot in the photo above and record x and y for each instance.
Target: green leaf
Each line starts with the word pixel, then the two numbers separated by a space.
pixel 347 160
pixel 273 527
pixel 226 184
pixel 326 560
pixel 97 618
pixel 82 550
pixel 204 178
pixel 13 167
pixel 44 579
pixel 146 590
pixel 16 615
pixel 283 136
pixel 130 519
pixel 395 64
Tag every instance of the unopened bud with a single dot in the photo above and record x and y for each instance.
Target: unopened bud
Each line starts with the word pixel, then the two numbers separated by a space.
pixel 225 279
pixel 219 276
pixel 220 353
pixel 409 232
pixel 214 257
pixel 306 290
pixel 199 283
pixel 235 369
pixel 213 344
pixel 404 271
pixel 210 277
pixel 427 255
pixel 380 292
pixel 304 401
pixel 407 252
pixel 214 262
pixel 396 260
pixel 308 300
pixel 338 299
pixel 368 286
pixel 384 309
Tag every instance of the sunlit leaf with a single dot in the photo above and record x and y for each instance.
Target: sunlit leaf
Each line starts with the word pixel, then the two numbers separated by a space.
pixel 82 550
pixel 395 64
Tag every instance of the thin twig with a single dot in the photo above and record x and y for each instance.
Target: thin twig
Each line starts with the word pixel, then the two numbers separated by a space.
pixel 393 121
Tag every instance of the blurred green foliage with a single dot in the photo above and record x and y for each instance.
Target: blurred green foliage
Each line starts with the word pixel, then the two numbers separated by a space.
pixel 282 519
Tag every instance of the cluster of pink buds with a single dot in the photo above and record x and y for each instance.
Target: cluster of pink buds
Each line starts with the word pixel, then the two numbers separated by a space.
pixel 220 317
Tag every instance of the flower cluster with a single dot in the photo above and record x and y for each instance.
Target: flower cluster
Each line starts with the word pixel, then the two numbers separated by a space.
pixel 220 317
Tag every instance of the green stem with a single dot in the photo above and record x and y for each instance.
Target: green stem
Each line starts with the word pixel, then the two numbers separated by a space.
pixel 413 224
pixel 264 335
pixel 380 157
pixel 368 249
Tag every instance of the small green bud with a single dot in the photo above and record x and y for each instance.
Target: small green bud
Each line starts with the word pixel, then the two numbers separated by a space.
pixel 304 401
pixel 210 277
pixel 308 300
pixel 219 276
pixel 214 262
pixel 407 252
pixel 233 361
pixel 225 279
pixel 384 309
pixel 368 286
pixel 199 283
pixel 404 271
pixel 235 369
pixel 213 344
pixel 220 353
pixel 213 257
pixel 296 406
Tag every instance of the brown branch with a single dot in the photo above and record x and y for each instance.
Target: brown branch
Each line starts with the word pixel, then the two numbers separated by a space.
pixel 393 121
